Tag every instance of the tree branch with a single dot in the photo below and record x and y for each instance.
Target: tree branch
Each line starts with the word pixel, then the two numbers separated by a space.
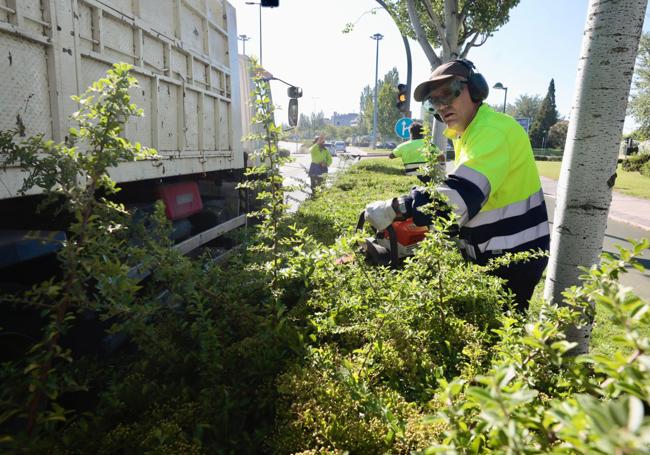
pixel 472 43
pixel 485 38
pixel 469 45
pixel 451 27
pixel 434 60
pixel 438 25
pixel 463 12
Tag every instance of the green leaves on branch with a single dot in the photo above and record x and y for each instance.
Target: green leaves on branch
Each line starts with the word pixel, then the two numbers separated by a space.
pixel 101 246
pixel 537 398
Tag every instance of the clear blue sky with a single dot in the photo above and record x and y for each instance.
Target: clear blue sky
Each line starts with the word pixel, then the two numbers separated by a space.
pixel 303 44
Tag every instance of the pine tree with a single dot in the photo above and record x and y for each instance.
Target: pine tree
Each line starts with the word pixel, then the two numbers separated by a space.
pixel 546 117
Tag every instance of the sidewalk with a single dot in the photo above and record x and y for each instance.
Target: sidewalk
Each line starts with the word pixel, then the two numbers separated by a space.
pixel 625 209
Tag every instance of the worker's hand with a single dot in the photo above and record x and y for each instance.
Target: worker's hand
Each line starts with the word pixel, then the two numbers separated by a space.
pixel 380 214
pixel 391 156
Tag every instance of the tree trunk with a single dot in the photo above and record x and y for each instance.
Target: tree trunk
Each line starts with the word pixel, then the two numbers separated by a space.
pixel 434 61
pixel 609 50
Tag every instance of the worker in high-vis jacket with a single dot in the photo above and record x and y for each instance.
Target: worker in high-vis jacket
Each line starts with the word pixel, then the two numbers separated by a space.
pixel 494 190
pixel 411 152
pixel 321 159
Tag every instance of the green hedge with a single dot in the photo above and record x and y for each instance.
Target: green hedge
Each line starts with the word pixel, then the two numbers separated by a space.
pixel 636 163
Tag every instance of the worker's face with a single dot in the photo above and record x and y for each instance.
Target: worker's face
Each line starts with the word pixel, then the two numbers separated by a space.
pixel 321 140
pixel 453 104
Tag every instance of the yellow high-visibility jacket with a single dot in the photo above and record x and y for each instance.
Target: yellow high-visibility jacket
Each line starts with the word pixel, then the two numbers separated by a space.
pixel 495 188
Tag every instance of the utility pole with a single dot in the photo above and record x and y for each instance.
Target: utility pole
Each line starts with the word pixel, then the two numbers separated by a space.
pixel 243 39
pixel 377 37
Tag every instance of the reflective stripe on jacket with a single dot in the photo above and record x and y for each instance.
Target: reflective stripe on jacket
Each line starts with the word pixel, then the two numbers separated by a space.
pixel 414 168
pixel 495 189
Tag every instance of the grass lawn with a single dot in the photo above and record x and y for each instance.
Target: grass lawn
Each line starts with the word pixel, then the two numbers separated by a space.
pixel 630 183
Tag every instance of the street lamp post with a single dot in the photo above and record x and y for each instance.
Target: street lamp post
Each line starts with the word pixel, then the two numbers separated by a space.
pixel 260 4
pixel 499 86
pixel 376 37
pixel 243 39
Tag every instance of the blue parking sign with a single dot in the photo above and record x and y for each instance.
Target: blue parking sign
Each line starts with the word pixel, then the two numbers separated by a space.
pixel 402 127
pixel 524 122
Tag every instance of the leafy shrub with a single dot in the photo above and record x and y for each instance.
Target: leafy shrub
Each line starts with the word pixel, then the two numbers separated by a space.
pixel 199 371
pixel 635 163
pixel 645 169
pixel 557 134
pixel 536 398
pixel 285 349
pixel 379 340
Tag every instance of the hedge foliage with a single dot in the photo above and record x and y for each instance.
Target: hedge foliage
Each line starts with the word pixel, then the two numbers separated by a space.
pixel 288 349
pixel 638 163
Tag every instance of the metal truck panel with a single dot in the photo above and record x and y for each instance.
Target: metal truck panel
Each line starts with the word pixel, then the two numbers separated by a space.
pixel 184 54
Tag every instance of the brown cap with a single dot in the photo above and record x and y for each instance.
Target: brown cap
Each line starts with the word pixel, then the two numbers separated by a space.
pixel 443 73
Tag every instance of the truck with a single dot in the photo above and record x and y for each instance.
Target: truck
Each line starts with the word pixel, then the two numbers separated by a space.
pixel 193 87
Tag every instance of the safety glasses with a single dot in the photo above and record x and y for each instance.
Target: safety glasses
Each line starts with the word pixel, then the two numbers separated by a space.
pixel 447 96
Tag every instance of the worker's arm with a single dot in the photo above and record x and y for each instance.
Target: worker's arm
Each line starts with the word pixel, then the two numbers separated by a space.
pixel 413 205
pixel 396 153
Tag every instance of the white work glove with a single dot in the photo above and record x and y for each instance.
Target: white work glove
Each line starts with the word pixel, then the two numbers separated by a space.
pixel 380 214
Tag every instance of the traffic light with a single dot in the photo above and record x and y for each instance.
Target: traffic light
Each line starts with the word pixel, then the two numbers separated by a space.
pixel 402 97
pixel 271 3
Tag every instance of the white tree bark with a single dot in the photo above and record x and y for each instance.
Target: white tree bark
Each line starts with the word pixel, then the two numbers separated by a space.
pixel 447 28
pixel 584 192
pixel 452 22
pixel 434 61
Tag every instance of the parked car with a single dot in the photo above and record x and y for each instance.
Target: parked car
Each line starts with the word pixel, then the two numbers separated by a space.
pixel 330 146
pixel 385 145
pixel 339 146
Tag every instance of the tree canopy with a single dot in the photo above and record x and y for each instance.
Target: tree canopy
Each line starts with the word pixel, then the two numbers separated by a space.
pixel 453 26
pixel 525 106
pixel 557 134
pixel 546 117
pixel 387 112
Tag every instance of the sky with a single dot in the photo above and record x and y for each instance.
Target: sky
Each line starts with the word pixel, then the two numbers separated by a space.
pixel 304 44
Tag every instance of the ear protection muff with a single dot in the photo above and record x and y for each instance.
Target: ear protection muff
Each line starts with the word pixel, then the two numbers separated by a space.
pixel 476 83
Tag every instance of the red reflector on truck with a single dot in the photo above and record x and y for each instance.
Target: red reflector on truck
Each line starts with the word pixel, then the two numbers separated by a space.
pixel 181 200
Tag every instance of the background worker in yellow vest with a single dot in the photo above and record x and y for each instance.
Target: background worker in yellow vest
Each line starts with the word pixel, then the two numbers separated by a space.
pixel 411 152
pixel 320 160
pixel 494 190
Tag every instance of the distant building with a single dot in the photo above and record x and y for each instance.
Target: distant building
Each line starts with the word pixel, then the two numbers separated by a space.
pixel 344 119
